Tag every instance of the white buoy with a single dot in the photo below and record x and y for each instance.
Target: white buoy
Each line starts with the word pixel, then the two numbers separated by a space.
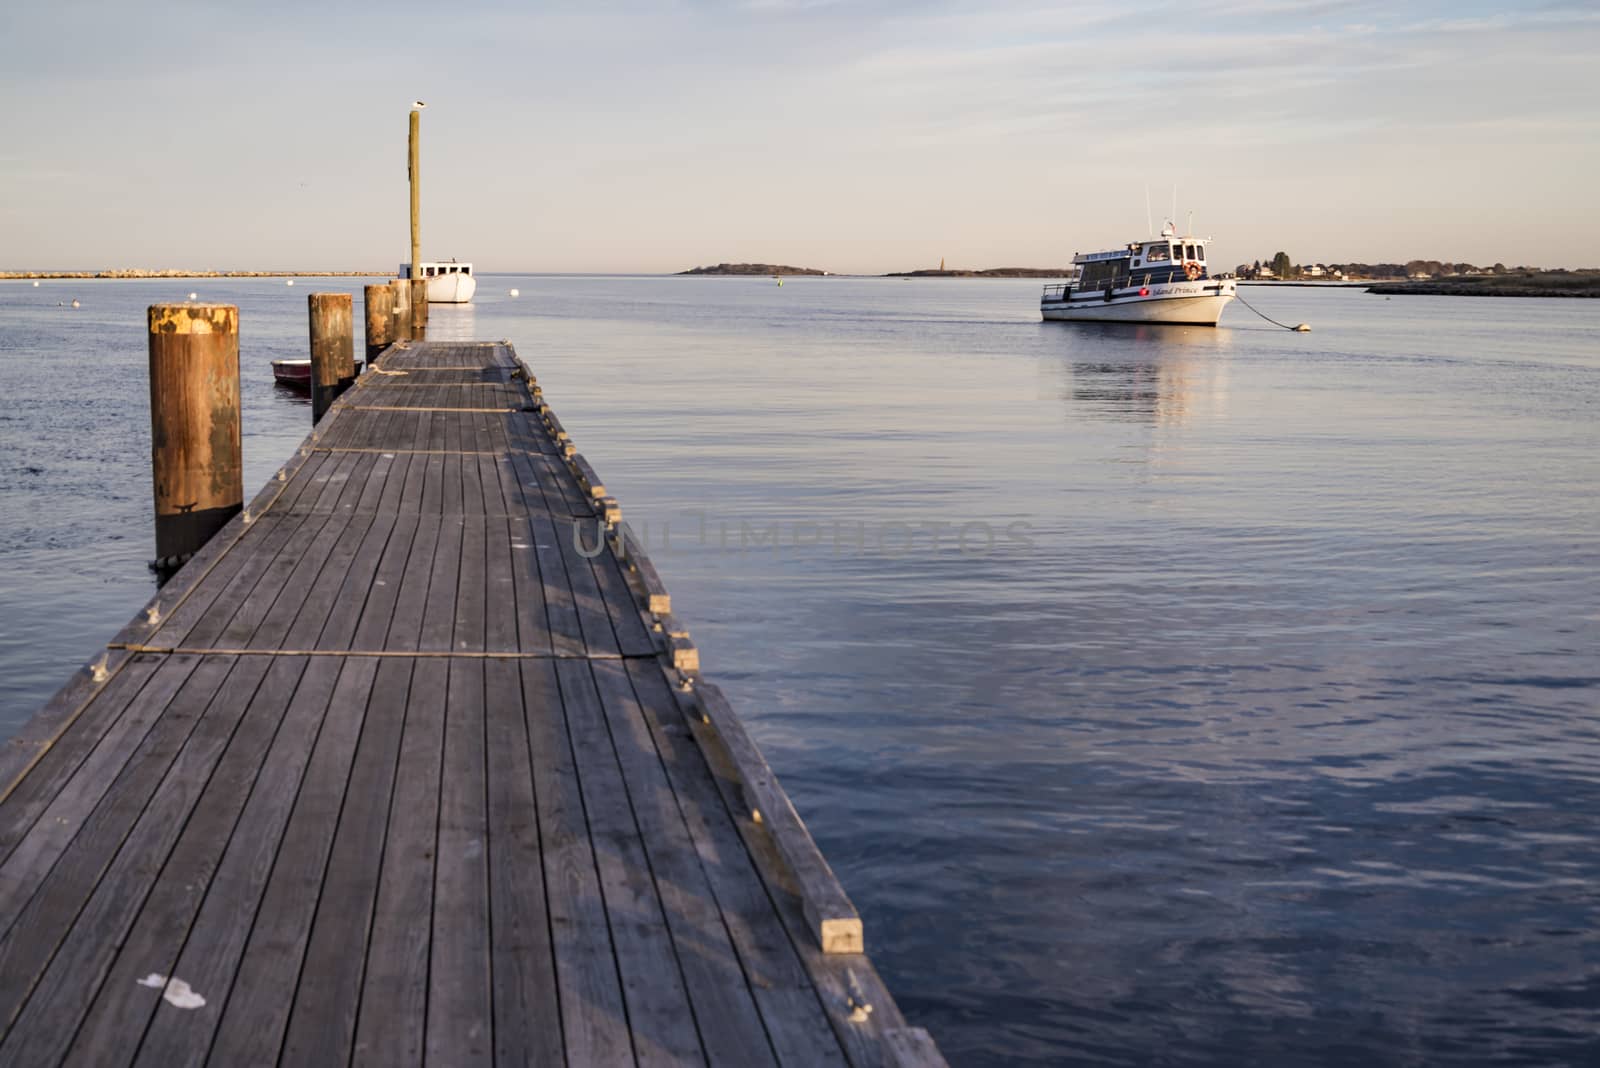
pixel 194 296
pixel 514 292
pixel 36 285
pixel 290 282
pixel 75 303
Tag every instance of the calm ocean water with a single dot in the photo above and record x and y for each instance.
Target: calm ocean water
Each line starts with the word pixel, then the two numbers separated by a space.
pixel 1162 696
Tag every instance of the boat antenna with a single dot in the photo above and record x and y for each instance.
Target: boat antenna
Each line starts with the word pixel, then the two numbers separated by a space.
pixel 1191 224
pixel 1149 226
pixel 1174 207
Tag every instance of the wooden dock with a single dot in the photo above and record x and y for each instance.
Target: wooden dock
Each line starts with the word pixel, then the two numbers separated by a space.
pixel 397 770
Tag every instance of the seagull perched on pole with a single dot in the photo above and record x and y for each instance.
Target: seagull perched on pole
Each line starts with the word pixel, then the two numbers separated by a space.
pixel 418 104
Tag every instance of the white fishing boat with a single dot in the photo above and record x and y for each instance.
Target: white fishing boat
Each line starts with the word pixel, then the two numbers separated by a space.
pixel 1161 279
pixel 448 283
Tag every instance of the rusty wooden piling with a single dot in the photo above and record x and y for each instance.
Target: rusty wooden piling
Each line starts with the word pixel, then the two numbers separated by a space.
pixel 195 448
pixel 333 362
pixel 379 301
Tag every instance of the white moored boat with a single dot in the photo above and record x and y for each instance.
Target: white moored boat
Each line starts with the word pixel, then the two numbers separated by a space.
pixel 1157 280
pixel 448 283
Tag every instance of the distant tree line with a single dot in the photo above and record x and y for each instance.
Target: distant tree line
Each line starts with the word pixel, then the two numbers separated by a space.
pixel 1280 265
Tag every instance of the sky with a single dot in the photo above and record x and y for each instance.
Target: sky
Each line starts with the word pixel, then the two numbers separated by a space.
pixel 855 137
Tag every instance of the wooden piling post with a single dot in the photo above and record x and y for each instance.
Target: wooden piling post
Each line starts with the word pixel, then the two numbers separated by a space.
pixel 333 360
pixel 402 308
pixel 380 320
pixel 419 307
pixel 196 457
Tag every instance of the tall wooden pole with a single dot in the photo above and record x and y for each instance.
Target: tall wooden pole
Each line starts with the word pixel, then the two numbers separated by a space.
pixel 196 459
pixel 414 173
pixel 333 361
pixel 380 319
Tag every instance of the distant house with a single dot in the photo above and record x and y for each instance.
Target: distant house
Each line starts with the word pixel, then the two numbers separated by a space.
pixel 1315 270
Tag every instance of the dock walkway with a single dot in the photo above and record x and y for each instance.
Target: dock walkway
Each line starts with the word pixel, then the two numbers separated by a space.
pixel 397 771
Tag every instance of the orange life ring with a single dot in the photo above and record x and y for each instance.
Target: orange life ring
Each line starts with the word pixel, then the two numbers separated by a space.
pixel 1192 269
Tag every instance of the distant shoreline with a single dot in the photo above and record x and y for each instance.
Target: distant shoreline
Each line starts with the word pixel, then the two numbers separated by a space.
pixel 122 274
pixel 992 272
pixel 749 269
pixel 1580 284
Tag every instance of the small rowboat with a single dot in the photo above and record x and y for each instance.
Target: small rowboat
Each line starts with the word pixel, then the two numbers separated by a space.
pixel 296 374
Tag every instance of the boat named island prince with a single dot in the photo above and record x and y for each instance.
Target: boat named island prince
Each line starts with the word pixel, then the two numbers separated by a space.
pixel 1158 280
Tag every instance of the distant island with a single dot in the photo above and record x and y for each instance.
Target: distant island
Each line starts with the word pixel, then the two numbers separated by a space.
pixel 176 273
pixel 752 268
pixel 992 272
pixel 1585 283
pixel 1428 276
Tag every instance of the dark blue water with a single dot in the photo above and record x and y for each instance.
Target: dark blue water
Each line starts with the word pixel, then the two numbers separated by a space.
pixel 1161 695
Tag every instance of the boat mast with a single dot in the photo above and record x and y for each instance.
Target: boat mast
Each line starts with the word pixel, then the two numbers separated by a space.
pixel 414 176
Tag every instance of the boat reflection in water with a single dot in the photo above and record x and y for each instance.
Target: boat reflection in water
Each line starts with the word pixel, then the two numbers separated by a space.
pixel 1160 375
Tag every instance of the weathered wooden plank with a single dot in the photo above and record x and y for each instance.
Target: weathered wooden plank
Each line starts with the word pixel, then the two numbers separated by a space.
pixel 322 1022
pixel 432 499
pixel 499 585
pixel 472 496
pixel 248 612
pixel 730 1024
pixel 257 1012
pixel 653 592
pixel 372 493
pixel 336 626
pixel 561 610
pixel 439 613
pixel 460 996
pixel 578 539
pixel 305 478
pixel 527 1017
pixel 790 1008
pixel 44 1030
pixel 110 1031
pixel 218 594
pixel 844 982
pixel 833 918
pixel 911 1047
pixel 211 956
pixel 532 623
pixel 40 926
pixel 394 997
pixel 405 620
pixel 659 1013
pixel 395 498
pixel 287 607
pixel 74 804
pixel 621 606
pixel 594 1022
pixel 472 604
pixel 451 498
pixel 378 614
pixel 41 786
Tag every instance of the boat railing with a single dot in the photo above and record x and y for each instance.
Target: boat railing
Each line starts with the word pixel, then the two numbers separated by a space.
pixel 1130 280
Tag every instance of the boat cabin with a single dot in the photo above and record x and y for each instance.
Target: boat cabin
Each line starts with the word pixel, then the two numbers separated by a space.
pixel 1154 261
pixel 436 270
pixel 1168 252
